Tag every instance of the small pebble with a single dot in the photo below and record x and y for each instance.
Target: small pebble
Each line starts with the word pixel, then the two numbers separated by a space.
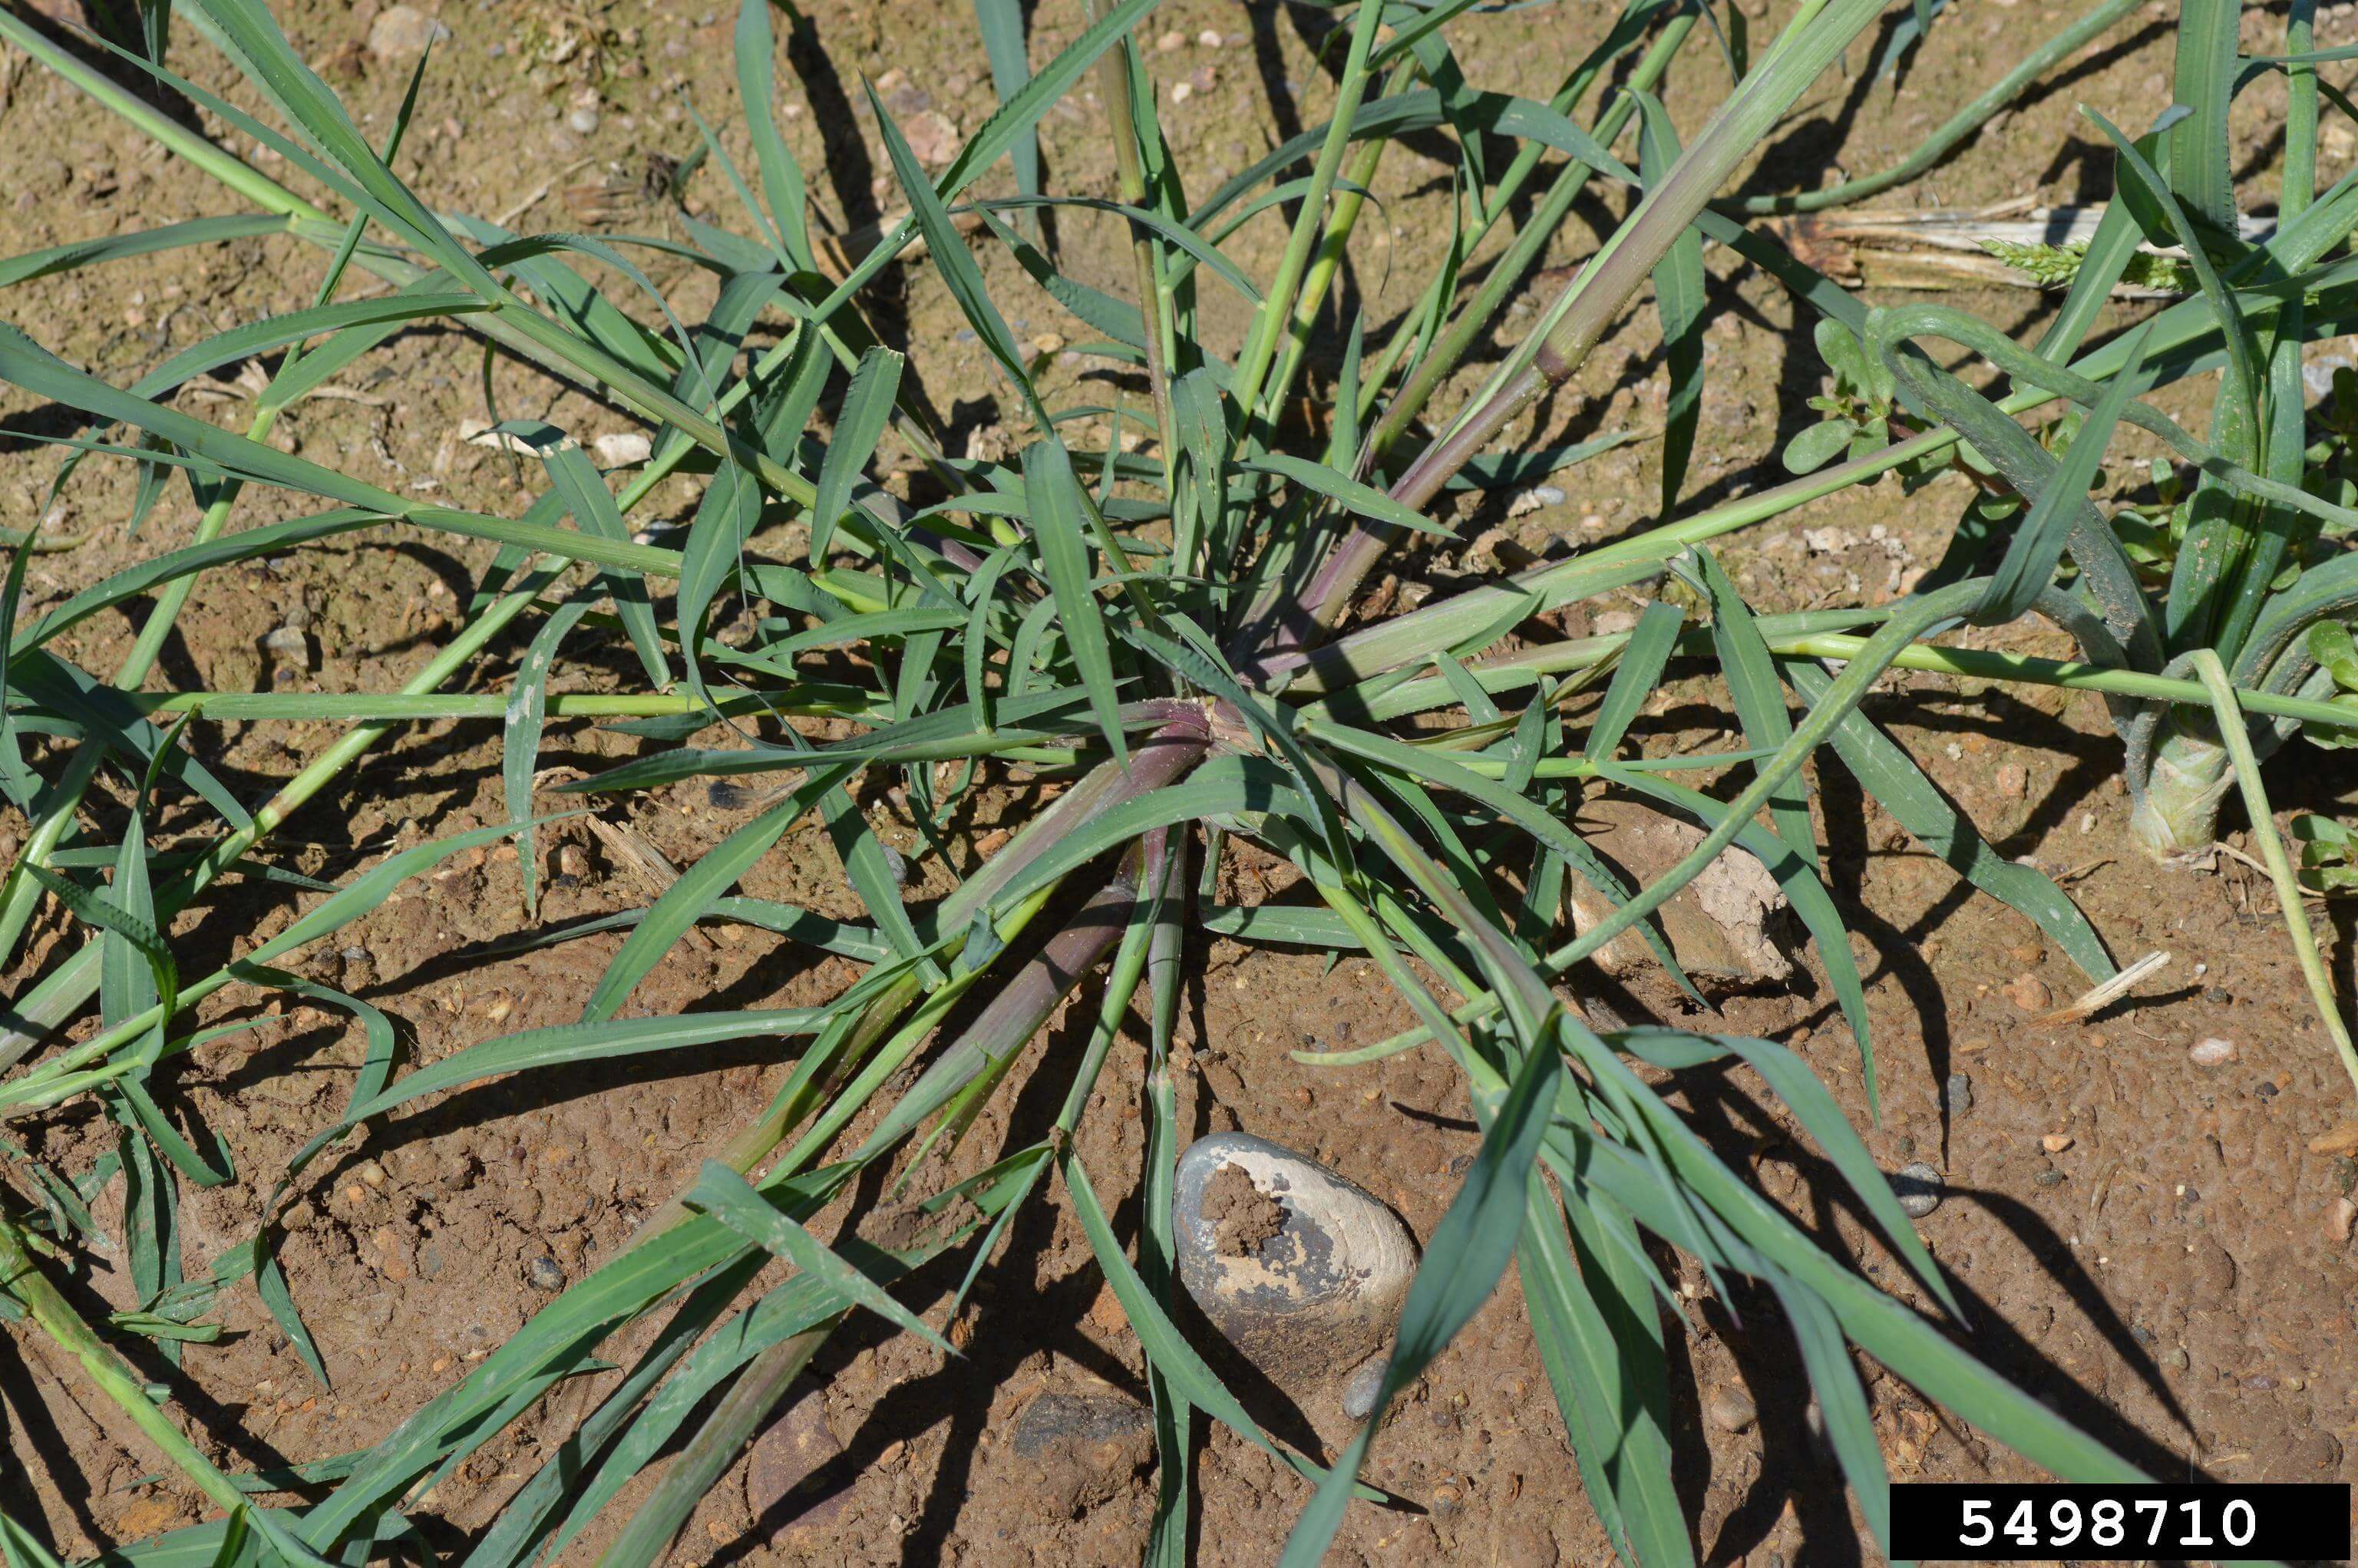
pixel 1172 42
pixel 288 643
pixel 1182 90
pixel 1210 38
pixel 399 32
pixel 2340 1219
pixel 1359 1393
pixel 933 137
pixel 896 865
pixel 2029 993
pixel 1918 1188
pixel 2213 1051
pixel 583 121
pixel 2013 780
pixel 572 860
pixel 622 448
pixel 1958 1094
pixel 1534 499
pixel 1732 1410
pixel 2177 1360
pixel 2056 1142
pixel 543 1274
pixel 2048 1177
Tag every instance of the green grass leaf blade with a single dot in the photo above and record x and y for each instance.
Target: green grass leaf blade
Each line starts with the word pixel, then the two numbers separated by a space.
pixel 1679 300
pixel 593 508
pixel 1469 1251
pixel 1001 22
pixel 945 248
pixel 527 713
pixel 1759 698
pixel 272 66
pixel 364 892
pixel 2028 564
pixel 132 581
pixel 866 409
pixel 1842 1403
pixel 757 88
pixel 111 920
pixel 572 1044
pixel 2286 455
pixel 1618 1442
pixel 871 878
pixel 686 900
pixel 1649 649
pixel 2200 146
pixel 1893 781
pixel 1364 500
pixel 35 368
pixel 1057 511
pixel 1892 1332
pixel 727 1197
pixel 188 234
pixel 1801 886
pixel 1020 110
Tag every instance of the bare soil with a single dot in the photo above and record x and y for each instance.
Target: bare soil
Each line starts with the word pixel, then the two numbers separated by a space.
pixel 2170 1278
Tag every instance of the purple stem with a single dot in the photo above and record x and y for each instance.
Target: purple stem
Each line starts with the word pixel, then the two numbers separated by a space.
pixel 1328 592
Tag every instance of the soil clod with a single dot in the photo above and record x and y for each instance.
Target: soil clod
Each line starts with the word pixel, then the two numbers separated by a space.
pixel 1242 1218
pixel 2029 993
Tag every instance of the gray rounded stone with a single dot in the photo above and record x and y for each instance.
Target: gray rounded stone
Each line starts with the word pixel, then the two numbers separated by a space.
pixel 1303 1272
pixel 1918 1189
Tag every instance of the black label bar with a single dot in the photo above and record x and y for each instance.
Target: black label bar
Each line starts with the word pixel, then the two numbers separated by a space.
pixel 1960 1521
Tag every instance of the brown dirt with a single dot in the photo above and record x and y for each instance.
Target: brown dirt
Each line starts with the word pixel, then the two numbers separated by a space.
pixel 1243 1220
pixel 2169 1281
